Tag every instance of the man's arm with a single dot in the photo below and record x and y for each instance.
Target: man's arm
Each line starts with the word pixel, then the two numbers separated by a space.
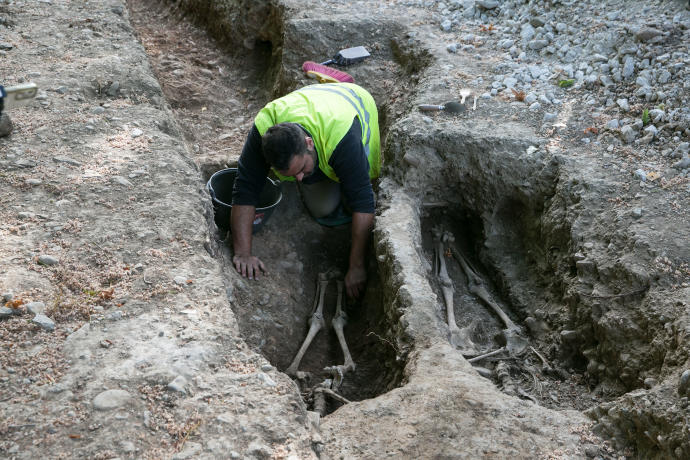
pixel 350 164
pixel 251 176
pixel 241 221
pixel 356 276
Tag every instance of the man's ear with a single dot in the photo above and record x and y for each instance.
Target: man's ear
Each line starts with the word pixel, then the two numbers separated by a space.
pixel 309 141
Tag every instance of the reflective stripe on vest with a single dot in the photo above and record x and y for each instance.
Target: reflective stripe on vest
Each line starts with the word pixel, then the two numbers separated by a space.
pixel 327 117
pixel 361 110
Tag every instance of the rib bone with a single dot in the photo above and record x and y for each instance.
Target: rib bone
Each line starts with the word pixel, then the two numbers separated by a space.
pixel 316 323
pixel 459 338
pixel 515 343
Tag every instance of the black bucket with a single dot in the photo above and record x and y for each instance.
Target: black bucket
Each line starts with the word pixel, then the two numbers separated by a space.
pixel 220 186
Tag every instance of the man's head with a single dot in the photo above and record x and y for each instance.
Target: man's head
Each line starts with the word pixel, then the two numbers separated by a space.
pixel 289 150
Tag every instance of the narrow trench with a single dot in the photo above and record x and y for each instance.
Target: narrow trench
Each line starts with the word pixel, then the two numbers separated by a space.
pixel 214 93
pixel 536 372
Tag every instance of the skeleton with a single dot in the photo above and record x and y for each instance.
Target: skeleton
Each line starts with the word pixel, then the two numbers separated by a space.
pixel 515 343
pixel 459 338
pixel 330 385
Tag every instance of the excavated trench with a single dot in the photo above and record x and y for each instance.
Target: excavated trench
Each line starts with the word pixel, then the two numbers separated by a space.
pixel 274 313
pixel 495 193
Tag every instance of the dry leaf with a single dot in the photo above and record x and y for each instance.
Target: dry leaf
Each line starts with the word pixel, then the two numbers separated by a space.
pixel 519 95
pixel 14 304
pixel 652 176
pixel 107 294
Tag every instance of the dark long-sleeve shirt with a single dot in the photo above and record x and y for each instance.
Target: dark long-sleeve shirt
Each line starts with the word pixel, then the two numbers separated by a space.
pixel 349 161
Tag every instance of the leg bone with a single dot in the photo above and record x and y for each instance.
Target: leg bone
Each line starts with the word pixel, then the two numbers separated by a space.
pixel 515 343
pixel 459 338
pixel 316 323
pixel 339 322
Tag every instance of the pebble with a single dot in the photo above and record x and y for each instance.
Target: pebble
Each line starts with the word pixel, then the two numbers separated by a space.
pixel 36 308
pixel 684 383
pixel 114 316
pixel 178 385
pixel 5 125
pixel 569 336
pixel 623 104
pixel 637 213
pixel 180 280
pixel 136 132
pixel 684 163
pixel 121 180
pixel 640 174
pixel 487 4
pixel 66 160
pixel 452 48
pixel 111 399
pixel 7 296
pixel 45 259
pixel 613 124
pixel 6 312
pixel 266 380
pixel 628 134
pixel 44 322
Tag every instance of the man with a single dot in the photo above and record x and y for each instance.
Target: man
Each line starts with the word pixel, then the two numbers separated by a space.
pixel 327 138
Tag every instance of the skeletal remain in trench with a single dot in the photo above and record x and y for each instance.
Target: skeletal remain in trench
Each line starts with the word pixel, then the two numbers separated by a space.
pixel 339 322
pixel 316 323
pixel 459 338
pixel 515 342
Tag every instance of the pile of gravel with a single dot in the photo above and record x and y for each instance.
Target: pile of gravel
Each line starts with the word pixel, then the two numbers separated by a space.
pixel 629 67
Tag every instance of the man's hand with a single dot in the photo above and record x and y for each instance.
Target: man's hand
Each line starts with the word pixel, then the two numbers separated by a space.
pixel 355 281
pixel 249 266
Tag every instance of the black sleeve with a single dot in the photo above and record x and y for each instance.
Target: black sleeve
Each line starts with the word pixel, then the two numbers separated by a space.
pixel 252 171
pixel 351 165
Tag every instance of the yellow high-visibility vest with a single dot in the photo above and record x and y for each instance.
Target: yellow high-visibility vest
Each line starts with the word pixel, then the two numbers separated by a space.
pixel 326 112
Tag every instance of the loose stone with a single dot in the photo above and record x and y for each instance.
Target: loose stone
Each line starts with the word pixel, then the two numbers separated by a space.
pixel 5 312
pixel 5 125
pixel 36 308
pixel 44 322
pixel 111 399
pixel 684 384
pixel 178 385
pixel 628 134
pixel 45 259
pixel 121 180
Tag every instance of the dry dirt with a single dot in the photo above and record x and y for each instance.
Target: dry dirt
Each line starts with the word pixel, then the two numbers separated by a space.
pixel 143 295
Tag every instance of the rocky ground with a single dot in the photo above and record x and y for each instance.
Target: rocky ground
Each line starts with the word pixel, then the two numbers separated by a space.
pixel 125 334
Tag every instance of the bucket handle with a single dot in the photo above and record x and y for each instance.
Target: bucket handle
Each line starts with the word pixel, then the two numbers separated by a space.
pixel 211 192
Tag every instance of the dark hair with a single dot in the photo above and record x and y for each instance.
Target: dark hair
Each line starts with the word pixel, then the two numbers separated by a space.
pixel 281 143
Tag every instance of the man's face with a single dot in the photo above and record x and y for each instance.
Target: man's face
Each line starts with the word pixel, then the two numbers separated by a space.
pixel 302 166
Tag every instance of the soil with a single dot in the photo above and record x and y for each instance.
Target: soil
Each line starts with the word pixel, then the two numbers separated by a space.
pixel 146 301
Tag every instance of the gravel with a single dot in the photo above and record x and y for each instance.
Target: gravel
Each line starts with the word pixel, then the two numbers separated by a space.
pixel 640 63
